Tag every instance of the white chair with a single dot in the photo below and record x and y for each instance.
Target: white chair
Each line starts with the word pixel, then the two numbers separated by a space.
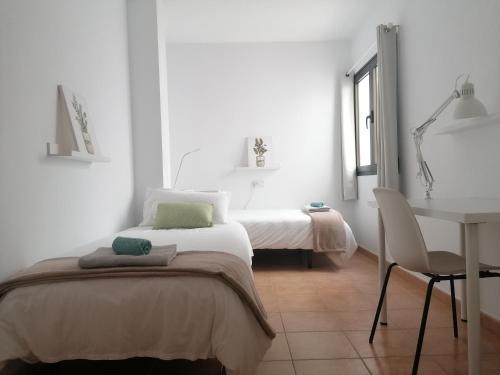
pixel 407 247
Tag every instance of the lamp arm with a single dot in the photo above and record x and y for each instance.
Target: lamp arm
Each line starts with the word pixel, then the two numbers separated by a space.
pixel 424 171
pixel 422 128
pixel 180 165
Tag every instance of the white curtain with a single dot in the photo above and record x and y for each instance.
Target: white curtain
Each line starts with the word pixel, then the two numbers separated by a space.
pixel 386 113
pixel 349 178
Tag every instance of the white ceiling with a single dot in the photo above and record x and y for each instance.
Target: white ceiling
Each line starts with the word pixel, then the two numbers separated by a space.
pixel 217 21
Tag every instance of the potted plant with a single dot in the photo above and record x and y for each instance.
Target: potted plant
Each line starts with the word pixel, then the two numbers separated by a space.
pixel 260 149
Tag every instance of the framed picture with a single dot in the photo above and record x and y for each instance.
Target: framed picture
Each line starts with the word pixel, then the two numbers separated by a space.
pixel 83 131
pixel 259 151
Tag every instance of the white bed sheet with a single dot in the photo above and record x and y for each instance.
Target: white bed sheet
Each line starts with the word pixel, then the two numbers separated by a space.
pixel 230 238
pixel 283 229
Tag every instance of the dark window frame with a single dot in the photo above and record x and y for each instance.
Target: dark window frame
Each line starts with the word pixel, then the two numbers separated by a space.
pixel 368 69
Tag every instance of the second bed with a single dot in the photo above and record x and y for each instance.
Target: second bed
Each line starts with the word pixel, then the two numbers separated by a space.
pixel 286 229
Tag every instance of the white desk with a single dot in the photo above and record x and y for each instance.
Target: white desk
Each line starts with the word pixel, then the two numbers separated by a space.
pixel 468 212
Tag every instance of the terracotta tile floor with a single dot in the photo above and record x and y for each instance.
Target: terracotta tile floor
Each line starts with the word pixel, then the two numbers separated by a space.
pixel 323 317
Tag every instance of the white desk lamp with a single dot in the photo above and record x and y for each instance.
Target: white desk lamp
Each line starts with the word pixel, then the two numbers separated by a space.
pixel 180 164
pixel 467 107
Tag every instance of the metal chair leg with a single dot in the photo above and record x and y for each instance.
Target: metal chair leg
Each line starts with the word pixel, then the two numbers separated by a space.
pixel 422 326
pixel 454 307
pixel 381 301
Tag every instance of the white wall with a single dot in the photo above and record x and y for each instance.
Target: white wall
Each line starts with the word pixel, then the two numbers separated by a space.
pixel 221 93
pixel 48 206
pixel 148 79
pixel 438 41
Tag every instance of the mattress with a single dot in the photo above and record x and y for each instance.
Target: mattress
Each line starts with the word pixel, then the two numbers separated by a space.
pixel 230 238
pixel 283 229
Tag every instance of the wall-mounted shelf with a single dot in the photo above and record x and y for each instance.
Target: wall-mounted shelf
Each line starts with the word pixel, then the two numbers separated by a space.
pixel 53 151
pixel 266 168
pixel 468 124
pixel 72 142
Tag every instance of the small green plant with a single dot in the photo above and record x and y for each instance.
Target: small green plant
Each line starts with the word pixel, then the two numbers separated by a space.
pixel 260 148
pixel 81 115
pixel 81 118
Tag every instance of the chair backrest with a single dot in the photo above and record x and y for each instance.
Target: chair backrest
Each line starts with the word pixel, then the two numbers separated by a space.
pixel 404 238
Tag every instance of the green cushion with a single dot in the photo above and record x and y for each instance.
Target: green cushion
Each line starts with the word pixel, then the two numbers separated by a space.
pixel 183 215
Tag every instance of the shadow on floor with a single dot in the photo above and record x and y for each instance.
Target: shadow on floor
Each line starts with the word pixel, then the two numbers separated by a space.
pixel 289 260
pixel 143 366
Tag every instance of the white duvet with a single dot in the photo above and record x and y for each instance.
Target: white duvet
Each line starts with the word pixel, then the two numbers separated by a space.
pixel 283 229
pixel 230 238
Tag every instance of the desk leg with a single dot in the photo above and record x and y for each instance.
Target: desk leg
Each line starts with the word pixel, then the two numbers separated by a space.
pixel 381 265
pixel 473 303
pixel 463 293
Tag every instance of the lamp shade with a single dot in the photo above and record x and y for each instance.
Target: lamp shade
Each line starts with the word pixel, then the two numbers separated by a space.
pixel 468 106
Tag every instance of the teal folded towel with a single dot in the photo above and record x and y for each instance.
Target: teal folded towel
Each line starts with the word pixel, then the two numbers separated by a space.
pixel 131 246
pixel 317 204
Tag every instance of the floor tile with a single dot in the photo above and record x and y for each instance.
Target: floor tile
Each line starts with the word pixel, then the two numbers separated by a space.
pixel 275 368
pixel 261 279
pixel 286 288
pixel 310 321
pixel 331 366
pixel 386 343
pixel 266 289
pixel 409 300
pixel 437 341
pixel 457 364
pixel 355 320
pixel 274 318
pixel 344 301
pixel 371 287
pixel 441 341
pixel 320 345
pixel 270 302
pixel 411 318
pixel 336 285
pixel 301 302
pixel 279 349
pixel 402 366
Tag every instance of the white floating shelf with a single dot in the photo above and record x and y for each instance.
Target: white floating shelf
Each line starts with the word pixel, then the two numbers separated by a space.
pixel 53 152
pixel 267 168
pixel 468 124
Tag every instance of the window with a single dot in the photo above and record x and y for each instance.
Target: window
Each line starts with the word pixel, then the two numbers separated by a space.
pixel 365 82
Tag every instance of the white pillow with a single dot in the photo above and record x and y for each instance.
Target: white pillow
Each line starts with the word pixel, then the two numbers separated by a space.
pixel 219 200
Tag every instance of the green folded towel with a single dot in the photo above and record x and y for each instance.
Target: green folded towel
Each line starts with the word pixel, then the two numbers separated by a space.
pixel 131 246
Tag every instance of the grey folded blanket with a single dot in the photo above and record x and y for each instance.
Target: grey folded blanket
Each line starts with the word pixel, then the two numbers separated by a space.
pixel 105 257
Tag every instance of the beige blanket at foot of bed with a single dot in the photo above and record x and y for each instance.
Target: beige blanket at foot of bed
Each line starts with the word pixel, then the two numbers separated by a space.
pixel 328 231
pixel 203 305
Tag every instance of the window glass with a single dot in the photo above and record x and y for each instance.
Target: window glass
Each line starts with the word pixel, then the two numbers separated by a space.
pixel 363 121
pixel 365 82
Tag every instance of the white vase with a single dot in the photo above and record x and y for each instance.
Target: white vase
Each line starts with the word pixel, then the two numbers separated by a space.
pixel 260 161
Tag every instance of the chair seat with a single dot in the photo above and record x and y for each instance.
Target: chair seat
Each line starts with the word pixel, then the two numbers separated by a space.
pixel 447 263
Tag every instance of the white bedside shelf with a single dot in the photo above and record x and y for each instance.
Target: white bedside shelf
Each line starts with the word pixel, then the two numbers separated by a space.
pixel 53 152
pixel 468 124
pixel 269 168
